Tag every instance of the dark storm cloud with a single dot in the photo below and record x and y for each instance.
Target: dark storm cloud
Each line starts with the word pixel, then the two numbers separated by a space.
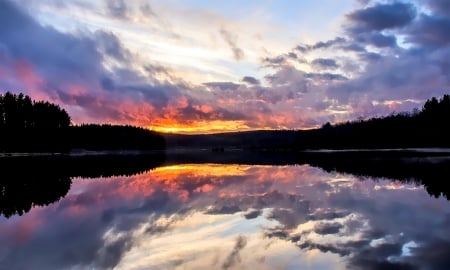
pixel 231 40
pixel 251 80
pixel 324 63
pixel 384 16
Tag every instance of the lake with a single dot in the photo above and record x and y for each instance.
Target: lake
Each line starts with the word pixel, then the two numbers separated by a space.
pixel 325 214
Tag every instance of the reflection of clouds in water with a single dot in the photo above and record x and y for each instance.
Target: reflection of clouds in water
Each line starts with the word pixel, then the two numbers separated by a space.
pixel 230 216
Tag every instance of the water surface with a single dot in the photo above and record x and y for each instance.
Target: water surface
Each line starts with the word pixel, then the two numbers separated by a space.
pixel 231 216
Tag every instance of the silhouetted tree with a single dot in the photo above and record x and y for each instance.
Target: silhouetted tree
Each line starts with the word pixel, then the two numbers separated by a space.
pixel 425 128
pixel 32 126
pixel 40 126
pixel 114 137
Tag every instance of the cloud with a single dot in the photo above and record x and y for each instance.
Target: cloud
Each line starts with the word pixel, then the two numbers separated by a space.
pixel 92 75
pixel 431 31
pixel 53 54
pixel 253 214
pixel 274 61
pixel 377 39
pixel 384 16
pixel 386 53
pixel 231 40
pixel 111 46
pixel 324 63
pixel 320 45
pixel 364 2
pixel 233 258
pixel 147 10
pixel 439 6
pixel 223 85
pixel 250 80
pixel 117 8
pixel 327 228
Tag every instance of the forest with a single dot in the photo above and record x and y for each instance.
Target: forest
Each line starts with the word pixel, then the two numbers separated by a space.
pixel 39 126
pixel 422 128
pixel 428 127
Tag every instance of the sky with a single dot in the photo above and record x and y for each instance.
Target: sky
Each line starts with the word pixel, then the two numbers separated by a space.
pixel 196 66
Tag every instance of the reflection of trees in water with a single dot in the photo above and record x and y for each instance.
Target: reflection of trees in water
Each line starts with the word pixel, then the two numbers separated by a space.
pixel 39 181
pixel 19 196
pixel 429 169
pixel 431 172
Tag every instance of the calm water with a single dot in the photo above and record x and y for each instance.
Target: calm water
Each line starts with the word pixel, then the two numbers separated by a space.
pixel 228 216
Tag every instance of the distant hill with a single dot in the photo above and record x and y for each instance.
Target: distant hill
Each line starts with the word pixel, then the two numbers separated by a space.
pixel 240 140
pixel 428 127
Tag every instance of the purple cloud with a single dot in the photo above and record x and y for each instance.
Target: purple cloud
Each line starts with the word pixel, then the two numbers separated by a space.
pixel 383 16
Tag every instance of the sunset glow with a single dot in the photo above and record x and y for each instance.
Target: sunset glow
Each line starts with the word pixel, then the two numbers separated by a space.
pixel 201 127
pixel 206 67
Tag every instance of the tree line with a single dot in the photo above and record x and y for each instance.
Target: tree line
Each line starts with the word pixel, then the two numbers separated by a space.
pixel 39 126
pixel 428 127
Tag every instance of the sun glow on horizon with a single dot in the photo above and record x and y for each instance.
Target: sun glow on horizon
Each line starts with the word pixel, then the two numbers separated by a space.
pixel 202 127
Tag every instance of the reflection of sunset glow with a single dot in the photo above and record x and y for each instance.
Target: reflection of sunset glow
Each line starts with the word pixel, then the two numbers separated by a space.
pixel 202 126
pixel 192 216
pixel 200 170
